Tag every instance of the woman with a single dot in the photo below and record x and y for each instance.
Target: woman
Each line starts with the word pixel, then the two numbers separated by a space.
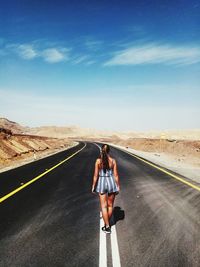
pixel 106 184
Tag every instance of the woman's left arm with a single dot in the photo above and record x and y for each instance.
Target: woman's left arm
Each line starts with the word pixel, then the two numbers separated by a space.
pixel 115 170
pixel 96 174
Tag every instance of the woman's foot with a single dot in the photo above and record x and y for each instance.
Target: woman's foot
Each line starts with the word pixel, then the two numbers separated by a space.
pixel 106 229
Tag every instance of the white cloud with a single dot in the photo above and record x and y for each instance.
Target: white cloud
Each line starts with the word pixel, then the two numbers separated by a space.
pixel 31 51
pixel 53 55
pixel 27 51
pixel 154 54
pixel 48 51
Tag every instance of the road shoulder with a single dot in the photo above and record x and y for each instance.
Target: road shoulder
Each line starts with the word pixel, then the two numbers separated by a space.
pixel 186 170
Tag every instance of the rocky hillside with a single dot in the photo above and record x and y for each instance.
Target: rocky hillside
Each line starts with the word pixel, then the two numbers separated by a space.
pixel 16 149
pixel 13 126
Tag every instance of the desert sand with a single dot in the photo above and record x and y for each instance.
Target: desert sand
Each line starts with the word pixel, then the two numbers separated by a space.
pixel 178 150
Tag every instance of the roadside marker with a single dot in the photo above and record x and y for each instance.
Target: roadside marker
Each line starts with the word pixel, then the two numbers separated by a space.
pixel 38 177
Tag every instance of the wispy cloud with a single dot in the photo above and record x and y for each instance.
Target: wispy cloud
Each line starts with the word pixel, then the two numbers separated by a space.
pixel 85 60
pixel 54 55
pixel 93 44
pixel 80 59
pixel 32 51
pixel 155 54
pixel 130 54
pixel 49 52
pixel 26 51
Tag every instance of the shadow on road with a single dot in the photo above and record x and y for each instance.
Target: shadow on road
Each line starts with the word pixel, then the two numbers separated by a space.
pixel 118 214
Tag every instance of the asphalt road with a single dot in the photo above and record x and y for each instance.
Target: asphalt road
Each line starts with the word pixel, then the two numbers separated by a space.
pixel 55 220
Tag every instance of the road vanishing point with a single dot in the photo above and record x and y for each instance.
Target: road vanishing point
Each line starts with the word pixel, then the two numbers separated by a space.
pixel 49 217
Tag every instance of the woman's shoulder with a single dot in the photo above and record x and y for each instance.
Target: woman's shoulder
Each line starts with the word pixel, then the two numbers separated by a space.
pixel 111 158
pixel 98 161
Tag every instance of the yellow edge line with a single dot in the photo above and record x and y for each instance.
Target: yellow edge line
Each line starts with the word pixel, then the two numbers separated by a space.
pixel 162 170
pixel 38 177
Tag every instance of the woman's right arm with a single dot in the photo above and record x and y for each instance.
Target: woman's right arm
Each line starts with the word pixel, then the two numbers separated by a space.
pixel 96 174
pixel 115 171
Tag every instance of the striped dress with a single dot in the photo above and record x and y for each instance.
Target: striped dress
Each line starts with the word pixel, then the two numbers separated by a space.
pixel 106 182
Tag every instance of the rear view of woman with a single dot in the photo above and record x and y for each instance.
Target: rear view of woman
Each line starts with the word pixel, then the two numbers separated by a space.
pixel 106 184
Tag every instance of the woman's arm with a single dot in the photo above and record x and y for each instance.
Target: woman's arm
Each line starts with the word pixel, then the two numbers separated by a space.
pixel 96 174
pixel 115 171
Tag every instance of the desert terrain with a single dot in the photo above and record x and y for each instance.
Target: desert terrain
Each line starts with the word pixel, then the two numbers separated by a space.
pixel 183 150
pixel 18 147
pixel 20 144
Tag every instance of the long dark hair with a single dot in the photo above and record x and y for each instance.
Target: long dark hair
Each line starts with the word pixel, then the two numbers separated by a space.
pixel 105 149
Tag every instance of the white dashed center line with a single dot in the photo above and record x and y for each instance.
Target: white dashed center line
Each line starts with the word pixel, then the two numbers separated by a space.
pixel 114 248
pixel 102 245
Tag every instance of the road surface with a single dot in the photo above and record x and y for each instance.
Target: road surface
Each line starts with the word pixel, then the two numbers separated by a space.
pixel 55 220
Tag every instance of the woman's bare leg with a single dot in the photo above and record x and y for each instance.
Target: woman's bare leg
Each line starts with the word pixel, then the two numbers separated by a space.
pixel 111 198
pixel 104 208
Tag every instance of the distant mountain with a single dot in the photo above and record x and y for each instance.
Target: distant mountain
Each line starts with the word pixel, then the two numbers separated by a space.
pixel 13 126
pixel 68 131
pixel 86 133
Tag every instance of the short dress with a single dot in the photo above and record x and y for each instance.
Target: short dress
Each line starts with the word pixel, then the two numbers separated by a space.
pixel 106 182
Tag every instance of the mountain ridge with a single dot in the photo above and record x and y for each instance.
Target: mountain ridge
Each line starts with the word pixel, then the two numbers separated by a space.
pixel 78 132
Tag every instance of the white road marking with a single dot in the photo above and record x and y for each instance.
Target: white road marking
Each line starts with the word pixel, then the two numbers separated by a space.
pixel 114 248
pixel 102 245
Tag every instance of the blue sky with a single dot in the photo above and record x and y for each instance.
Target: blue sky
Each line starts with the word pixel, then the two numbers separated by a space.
pixel 111 65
